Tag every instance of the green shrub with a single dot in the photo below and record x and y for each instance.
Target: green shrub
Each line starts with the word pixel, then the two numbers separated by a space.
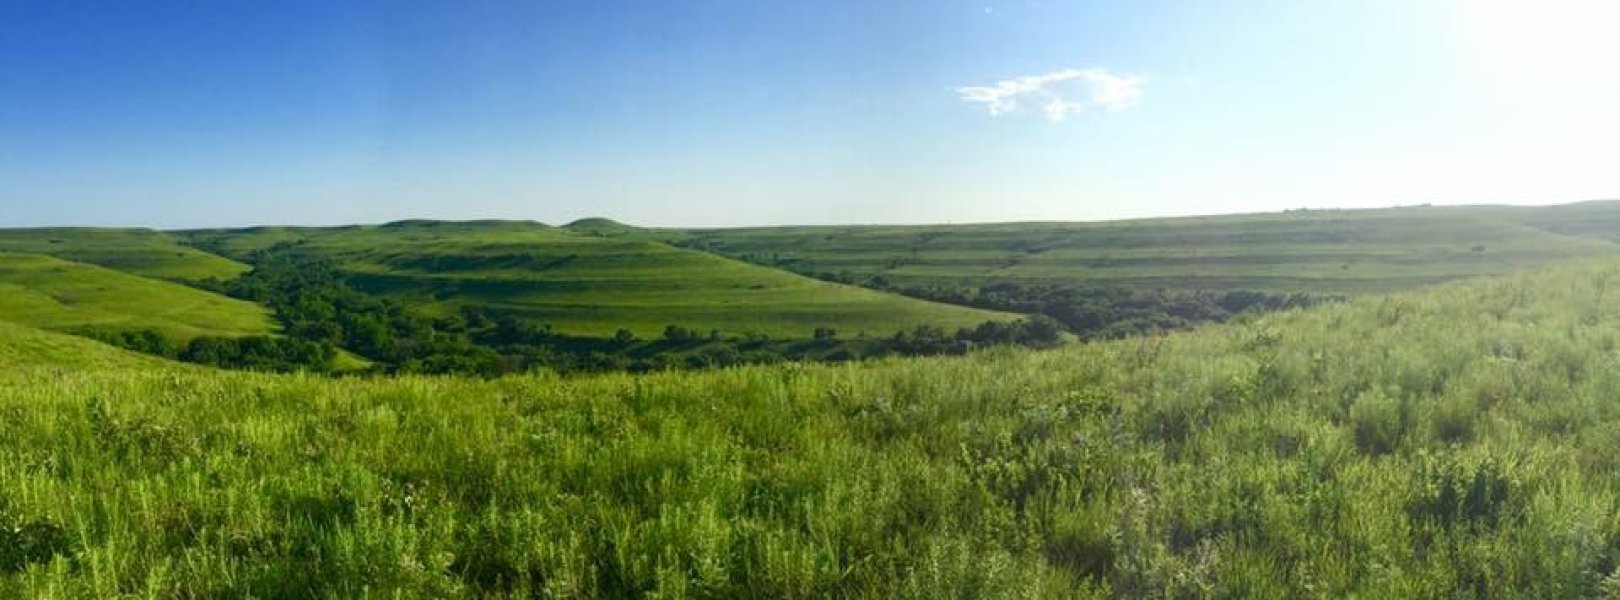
pixel 1378 421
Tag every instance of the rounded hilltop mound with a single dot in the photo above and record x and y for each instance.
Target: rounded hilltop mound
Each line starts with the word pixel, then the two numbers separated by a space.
pixel 600 225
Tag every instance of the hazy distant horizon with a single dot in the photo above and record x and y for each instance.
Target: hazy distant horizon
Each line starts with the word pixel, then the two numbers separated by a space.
pixel 560 223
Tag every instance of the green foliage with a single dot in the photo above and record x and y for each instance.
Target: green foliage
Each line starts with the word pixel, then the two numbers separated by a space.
pixel 586 280
pixel 1379 422
pixel 1456 443
pixel 24 543
pixel 321 312
pixel 22 348
pixel 1113 312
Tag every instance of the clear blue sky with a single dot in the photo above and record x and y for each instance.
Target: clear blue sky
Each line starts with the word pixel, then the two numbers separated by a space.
pixel 202 113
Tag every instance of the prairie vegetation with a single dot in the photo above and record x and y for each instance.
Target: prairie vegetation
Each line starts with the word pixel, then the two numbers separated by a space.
pixel 582 284
pixel 1451 443
pixel 1318 252
pixel 50 293
pixel 142 252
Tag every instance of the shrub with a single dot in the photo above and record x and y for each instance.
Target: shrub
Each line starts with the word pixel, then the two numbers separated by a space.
pixel 1379 422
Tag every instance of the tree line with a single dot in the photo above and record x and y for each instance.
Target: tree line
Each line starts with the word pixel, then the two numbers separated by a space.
pixel 1093 312
pixel 321 315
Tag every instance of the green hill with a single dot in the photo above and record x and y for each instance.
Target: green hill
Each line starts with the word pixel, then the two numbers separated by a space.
pixel 51 293
pixel 139 251
pixel 1318 252
pixel 602 227
pixel 1597 219
pixel 28 348
pixel 589 285
pixel 1458 442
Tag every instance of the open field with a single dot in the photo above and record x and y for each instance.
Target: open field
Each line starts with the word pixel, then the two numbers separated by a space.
pixel 582 284
pixel 138 251
pixel 1321 252
pixel 51 293
pixel 27 348
pixel 1458 442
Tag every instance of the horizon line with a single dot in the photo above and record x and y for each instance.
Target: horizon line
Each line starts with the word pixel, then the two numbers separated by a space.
pixel 503 219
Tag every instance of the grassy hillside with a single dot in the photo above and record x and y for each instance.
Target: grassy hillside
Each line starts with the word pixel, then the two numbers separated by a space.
pixel 26 348
pixel 585 284
pixel 139 251
pixel 1323 252
pixel 1598 219
pixel 1457 443
pixel 50 293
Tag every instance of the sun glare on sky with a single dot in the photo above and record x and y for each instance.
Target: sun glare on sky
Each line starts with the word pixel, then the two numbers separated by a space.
pixel 711 113
pixel 1572 41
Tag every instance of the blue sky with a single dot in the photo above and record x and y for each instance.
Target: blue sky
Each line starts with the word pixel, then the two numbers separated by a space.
pixel 740 112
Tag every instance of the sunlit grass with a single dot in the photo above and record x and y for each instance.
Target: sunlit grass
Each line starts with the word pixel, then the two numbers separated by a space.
pixel 1317 252
pixel 138 251
pixel 1453 443
pixel 56 294
pixel 581 284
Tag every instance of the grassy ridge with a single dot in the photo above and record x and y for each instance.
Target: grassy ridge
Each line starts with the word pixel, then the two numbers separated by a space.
pixel 1322 252
pixel 1456 443
pixel 584 284
pixel 26 348
pixel 50 293
pixel 139 251
pixel 1597 219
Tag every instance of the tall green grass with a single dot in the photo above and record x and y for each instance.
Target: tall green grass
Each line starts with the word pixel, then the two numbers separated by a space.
pixel 1458 443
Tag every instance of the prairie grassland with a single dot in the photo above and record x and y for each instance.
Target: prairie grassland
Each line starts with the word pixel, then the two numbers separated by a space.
pixel 1317 252
pixel 142 252
pixel 582 284
pixel 1454 443
pixel 50 293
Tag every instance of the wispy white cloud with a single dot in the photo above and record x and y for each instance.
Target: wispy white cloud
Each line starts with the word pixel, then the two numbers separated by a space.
pixel 1058 94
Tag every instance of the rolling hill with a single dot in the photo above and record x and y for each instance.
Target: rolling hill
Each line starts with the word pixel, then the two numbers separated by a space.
pixel 584 283
pixel 51 293
pixel 1322 252
pixel 141 252
pixel 1596 219
pixel 1453 442
pixel 24 347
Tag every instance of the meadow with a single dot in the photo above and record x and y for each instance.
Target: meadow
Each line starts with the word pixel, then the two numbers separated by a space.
pixel 581 283
pixel 1458 442
pixel 141 252
pixel 51 293
pixel 1314 251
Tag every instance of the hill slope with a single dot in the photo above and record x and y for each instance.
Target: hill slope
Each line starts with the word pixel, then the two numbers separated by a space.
pixel 1460 442
pixel 1307 251
pixel 28 348
pixel 139 251
pixel 50 293
pixel 590 285
pixel 1597 219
